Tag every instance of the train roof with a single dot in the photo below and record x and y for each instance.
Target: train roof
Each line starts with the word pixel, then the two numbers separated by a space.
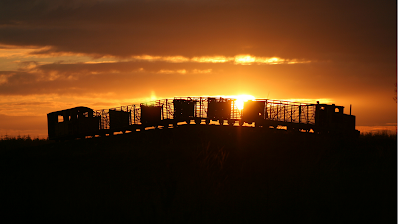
pixel 80 108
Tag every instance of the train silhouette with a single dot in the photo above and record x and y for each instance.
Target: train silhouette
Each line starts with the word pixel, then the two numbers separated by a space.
pixel 80 122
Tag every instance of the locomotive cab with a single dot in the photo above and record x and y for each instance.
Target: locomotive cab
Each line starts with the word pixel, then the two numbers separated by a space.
pixel 331 119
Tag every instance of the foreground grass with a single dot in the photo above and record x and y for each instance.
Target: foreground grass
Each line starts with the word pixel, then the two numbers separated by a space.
pixel 197 175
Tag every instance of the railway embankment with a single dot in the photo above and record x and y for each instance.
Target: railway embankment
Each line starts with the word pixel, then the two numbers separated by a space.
pixel 202 174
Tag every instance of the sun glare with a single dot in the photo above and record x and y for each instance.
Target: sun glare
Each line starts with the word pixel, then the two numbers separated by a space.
pixel 153 96
pixel 240 99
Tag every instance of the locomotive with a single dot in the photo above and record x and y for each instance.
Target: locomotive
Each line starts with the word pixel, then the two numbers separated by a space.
pixel 80 122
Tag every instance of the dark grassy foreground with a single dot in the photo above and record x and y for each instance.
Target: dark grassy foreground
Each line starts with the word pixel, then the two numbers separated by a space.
pixel 201 175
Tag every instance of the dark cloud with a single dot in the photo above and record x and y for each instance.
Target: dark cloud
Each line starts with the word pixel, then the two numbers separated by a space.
pixel 32 104
pixel 318 30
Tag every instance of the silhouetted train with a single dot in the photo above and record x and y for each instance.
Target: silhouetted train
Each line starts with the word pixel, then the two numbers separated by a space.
pixel 80 122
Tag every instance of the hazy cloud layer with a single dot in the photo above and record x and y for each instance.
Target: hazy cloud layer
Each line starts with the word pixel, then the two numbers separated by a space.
pixel 325 80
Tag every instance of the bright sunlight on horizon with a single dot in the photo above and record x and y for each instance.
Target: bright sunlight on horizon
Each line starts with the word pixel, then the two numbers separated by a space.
pixel 240 99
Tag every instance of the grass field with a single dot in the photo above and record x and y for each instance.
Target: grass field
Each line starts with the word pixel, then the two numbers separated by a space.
pixel 207 174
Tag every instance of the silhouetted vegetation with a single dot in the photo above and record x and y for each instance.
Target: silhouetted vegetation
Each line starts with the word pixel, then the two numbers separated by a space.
pixel 383 134
pixel 203 174
pixel 7 142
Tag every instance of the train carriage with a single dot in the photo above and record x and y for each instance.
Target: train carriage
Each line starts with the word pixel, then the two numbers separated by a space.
pixel 184 110
pixel 253 111
pixel 219 109
pixel 150 115
pixel 76 122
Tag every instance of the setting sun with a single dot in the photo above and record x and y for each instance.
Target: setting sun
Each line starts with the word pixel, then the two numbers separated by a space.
pixel 240 99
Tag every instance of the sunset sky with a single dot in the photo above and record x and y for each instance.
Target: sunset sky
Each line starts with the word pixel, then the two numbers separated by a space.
pixel 58 54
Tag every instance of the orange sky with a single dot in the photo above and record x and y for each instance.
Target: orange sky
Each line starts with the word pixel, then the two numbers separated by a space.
pixel 60 54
